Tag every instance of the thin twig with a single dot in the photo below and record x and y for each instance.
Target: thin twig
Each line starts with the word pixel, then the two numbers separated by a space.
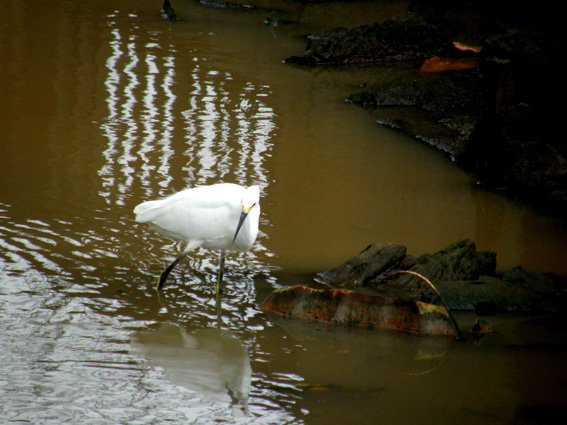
pixel 434 290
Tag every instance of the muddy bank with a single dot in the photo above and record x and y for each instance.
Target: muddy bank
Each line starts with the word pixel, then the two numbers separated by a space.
pixel 477 81
pixel 488 104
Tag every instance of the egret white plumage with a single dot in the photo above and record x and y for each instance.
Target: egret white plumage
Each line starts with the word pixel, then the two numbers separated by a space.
pixel 221 217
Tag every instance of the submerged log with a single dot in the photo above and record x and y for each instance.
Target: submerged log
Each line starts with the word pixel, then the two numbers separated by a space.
pixel 344 307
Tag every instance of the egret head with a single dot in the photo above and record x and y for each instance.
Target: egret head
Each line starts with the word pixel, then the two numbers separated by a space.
pixel 250 199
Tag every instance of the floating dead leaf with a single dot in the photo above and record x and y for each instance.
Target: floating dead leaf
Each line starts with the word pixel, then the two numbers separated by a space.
pixel 356 309
pixel 467 47
pixel 438 64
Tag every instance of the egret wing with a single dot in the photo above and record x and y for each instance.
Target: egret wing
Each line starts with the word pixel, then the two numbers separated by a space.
pixel 208 216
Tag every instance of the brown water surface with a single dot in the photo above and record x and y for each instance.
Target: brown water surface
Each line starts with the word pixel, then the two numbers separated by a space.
pixel 104 104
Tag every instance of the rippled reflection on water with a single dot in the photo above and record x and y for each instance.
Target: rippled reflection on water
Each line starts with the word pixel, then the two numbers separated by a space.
pixel 109 105
pixel 79 347
pixel 86 340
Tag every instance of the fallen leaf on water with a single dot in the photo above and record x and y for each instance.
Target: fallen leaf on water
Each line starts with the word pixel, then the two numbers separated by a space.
pixel 438 64
pixel 465 47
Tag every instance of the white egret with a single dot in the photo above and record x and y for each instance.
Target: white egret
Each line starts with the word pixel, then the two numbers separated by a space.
pixel 221 217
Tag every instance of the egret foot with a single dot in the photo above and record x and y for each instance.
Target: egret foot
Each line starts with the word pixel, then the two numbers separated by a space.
pixel 164 275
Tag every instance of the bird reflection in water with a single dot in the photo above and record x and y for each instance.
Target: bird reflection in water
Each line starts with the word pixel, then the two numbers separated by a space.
pixel 208 361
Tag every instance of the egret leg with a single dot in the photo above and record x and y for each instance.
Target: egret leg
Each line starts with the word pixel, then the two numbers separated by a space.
pixel 164 275
pixel 221 273
pixel 219 311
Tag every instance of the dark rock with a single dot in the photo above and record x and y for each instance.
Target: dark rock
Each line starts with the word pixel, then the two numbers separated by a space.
pixel 374 261
pixel 465 278
pixel 497 121
pixel 513 150
pixel 547 284
pixel 491 295
pixel 448 106
pixel 485 308
pixel 167 12
pixel 459 261
pixel 437 93
pixel 405 37
pixel 524 66
pixel 220 4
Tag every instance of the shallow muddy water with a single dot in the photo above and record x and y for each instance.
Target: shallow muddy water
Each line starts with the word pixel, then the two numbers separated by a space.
pixel 104 105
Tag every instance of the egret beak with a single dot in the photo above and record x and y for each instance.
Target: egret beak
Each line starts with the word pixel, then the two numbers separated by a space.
pixel 243 216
